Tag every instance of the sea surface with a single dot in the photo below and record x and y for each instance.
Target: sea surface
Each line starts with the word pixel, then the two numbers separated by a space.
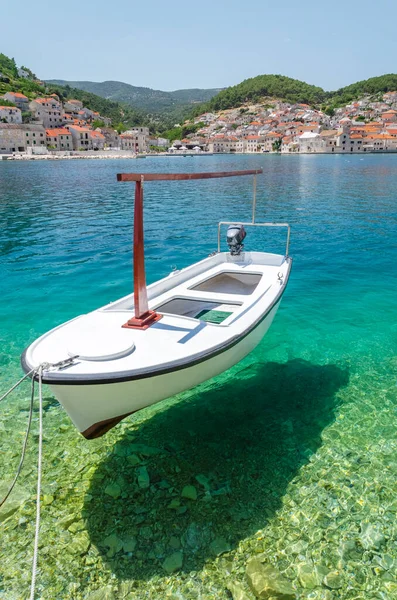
pixel 290 457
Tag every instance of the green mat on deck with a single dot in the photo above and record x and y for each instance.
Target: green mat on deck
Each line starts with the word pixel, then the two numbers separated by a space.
pixel 213 316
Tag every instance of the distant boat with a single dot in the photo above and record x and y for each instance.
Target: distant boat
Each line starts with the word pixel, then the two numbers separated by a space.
pixel 168 337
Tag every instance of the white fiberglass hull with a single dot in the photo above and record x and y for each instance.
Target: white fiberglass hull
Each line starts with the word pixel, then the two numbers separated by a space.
pixel 213 314
pixel 94 409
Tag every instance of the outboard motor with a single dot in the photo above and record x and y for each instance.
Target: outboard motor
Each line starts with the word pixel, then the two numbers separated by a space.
pixel 234 238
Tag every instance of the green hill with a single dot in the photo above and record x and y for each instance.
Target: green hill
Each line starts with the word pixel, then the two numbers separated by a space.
pixel 265 86
pixel 163 108
pixel 372 87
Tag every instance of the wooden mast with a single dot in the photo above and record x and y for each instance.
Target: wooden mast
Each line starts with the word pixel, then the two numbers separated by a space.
pixel 144 317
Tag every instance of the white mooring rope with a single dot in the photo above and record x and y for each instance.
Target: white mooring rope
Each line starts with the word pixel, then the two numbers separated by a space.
pixel 36 536
pixel 36 372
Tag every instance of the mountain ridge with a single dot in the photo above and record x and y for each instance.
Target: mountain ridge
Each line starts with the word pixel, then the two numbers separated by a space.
pixel 143 98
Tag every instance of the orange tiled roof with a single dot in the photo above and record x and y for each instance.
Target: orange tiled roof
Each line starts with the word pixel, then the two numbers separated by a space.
pixel 55 132
pixel 18 95
pixel 97 134
pixel 79 128
pixel 381 136
pixel 252 137
pixel 44 100
pixel 9 107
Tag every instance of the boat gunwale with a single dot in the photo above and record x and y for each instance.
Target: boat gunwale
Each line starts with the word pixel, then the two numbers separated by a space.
pixel 53 378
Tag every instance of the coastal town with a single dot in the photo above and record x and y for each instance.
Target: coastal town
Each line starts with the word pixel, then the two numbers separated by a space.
pixel 363 126
pixel 52 127
pixel 48 127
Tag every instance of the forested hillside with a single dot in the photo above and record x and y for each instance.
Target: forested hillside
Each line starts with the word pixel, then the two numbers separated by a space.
pixel 266 86
pixel 123 116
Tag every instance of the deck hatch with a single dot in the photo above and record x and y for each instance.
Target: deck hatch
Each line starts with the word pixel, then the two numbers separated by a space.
pixel 230 282
pixel 204 310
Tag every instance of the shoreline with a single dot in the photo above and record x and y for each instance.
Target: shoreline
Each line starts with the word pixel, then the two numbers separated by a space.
pixel 103 155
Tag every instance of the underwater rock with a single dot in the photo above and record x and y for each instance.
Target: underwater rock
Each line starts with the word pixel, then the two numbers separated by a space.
pixel 143 478
pixel 189 491
pixel 173 562
pixel 311 576
pixel 146 532
pixel 174 542
pixel 129 543
pixel 76 526
pixel 385 561
pixel 299 547
pixel 267 582
pixel 114 543
pixel 219 546
pixel 80 544
pixel 105 593
pixel 48 499
pixel 203 480
pixel 196 537
pixel 237 591
pixel 371 537
pixel 333 580
pixel 113 489
pixel 349 551
pixel 13 502
pixel 145 450
pixel 133 460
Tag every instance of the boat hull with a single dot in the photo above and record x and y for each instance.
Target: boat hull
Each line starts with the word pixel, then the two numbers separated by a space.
pixel 96 408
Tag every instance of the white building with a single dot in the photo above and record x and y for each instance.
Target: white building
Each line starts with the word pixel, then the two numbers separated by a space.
pixel 311 142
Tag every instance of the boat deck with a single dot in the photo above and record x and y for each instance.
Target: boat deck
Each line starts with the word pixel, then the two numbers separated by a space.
pixel 203 307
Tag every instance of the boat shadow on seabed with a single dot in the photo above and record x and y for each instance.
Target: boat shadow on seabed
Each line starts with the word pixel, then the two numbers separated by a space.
pixel 237 444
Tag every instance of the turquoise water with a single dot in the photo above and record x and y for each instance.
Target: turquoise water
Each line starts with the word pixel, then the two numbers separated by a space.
pixel 292 452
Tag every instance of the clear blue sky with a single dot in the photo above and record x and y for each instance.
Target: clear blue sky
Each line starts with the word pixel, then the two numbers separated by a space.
pixel 174 44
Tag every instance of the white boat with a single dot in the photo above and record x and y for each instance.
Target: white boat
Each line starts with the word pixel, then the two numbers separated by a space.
pixel 168 337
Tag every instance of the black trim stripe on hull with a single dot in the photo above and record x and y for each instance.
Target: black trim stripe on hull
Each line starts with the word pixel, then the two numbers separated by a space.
pixel 123 377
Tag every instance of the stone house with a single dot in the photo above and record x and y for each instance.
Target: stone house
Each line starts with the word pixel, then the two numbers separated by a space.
pixel 111 137
pixel 20 100
pixel 221 144
pixel 12 139
pixel 59 139
pixel 10 114
pixel 132 140
pixel 73 106
pixel 81 137
pixel 19 137
pixel 97 140
pixel 47 110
